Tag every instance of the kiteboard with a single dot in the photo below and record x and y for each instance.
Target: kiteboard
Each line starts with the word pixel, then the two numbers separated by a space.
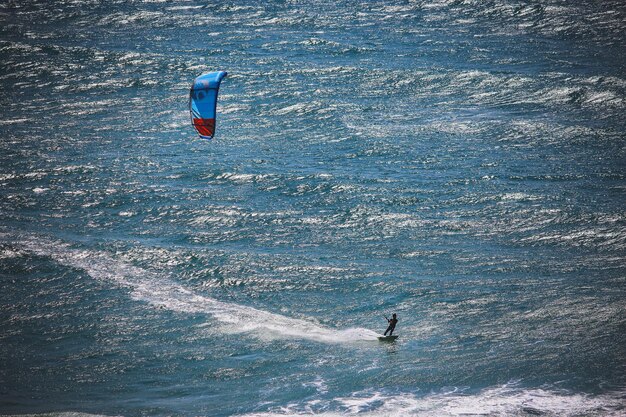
pixel 387 338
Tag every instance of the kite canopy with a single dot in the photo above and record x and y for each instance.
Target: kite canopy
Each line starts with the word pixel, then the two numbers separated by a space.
pixel 203 101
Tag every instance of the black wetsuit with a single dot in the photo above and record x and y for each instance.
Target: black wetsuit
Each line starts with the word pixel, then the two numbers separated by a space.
pixel 392 326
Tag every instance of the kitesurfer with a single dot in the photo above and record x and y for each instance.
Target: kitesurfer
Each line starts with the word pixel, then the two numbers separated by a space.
pixel 392 324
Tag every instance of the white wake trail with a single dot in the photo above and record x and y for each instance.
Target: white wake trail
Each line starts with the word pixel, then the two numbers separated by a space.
pixel 160 291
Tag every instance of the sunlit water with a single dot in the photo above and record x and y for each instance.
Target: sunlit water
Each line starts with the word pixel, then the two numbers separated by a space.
pixel 460 163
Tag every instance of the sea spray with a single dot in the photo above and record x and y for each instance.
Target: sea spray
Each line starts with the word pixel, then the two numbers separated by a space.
pixel 161 291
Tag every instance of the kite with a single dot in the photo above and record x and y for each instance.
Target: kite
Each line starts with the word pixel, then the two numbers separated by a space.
pixel 203 102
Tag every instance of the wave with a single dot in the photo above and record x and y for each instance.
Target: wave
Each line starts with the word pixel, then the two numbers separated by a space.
pixel 507 400
pixel 162 292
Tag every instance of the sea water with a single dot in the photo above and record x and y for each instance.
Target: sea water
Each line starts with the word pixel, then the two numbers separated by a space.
pixel 459 163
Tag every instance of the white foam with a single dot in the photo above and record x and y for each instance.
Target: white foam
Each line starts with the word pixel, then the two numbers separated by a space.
pixel 160 291
pixel 506 400
pixel 319 384
pixel 13 121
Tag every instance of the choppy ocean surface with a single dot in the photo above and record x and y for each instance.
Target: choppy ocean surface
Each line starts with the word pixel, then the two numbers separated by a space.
pixel 460 163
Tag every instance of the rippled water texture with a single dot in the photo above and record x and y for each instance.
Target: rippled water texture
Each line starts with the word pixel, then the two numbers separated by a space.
pixel 460 163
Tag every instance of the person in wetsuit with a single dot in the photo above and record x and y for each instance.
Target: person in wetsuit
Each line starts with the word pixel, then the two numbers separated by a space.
pixel 392 324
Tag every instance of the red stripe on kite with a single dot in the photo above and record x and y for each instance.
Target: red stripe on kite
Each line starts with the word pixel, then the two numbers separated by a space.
pixel 206 127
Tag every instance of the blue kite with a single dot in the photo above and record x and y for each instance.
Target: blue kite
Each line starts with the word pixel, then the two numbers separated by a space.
pixel 203 102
